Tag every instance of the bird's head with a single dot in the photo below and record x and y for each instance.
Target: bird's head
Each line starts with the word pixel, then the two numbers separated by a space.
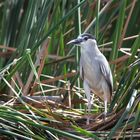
pixel 84 39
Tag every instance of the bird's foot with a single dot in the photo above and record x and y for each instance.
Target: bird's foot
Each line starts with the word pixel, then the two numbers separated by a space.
pixel 104 116
pixel 88 120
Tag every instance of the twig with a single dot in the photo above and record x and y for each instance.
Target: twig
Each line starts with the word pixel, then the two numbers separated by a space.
pixel 126 24
pixel 40 98
pixel 129 54
pixel 68 75
pixel 8 48
pixel 41 60
pixel 103 9
pixel 127 38
pixel 69 94
pixel 31 75
pixel 120 59
pixel 124 49
pixel 19 80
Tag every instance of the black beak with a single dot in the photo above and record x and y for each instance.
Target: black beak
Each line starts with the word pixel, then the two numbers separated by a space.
pixel 75 41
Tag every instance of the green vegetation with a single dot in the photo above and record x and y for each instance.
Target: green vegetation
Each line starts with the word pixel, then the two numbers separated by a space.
pixel 35 62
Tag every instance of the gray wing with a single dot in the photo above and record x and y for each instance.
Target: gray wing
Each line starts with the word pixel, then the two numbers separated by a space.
pixel 106 72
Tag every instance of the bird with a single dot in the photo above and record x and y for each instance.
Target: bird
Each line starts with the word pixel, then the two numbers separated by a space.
pixel 94 70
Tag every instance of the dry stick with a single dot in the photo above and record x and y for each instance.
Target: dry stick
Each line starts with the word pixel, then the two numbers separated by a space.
pixel 127 53
pixel 8 48
pixel 11 93
pixel 29 81
pixel 48 90
pixel 57 78
pixel 11 50
pixel 31 75
pixel 41 57
pixel 57 58
pixel 70 75
pixel 69 94
pixel 120 59
pixel 38 99
pixel 122 49
pixel 41 101
pixel 114 18
pixel 19 80
pixel 54 57
pixel 126 24
pixel 103 9
pixel 124 39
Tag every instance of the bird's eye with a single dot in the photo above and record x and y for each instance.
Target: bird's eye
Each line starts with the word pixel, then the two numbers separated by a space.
pixel 85 38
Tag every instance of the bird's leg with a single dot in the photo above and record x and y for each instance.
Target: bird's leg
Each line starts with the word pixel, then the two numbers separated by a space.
pixel 105 102
pixel 105 112
pixel 87 92
pixel 103 115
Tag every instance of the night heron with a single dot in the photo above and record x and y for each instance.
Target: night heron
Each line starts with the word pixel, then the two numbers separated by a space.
pixel 94 70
